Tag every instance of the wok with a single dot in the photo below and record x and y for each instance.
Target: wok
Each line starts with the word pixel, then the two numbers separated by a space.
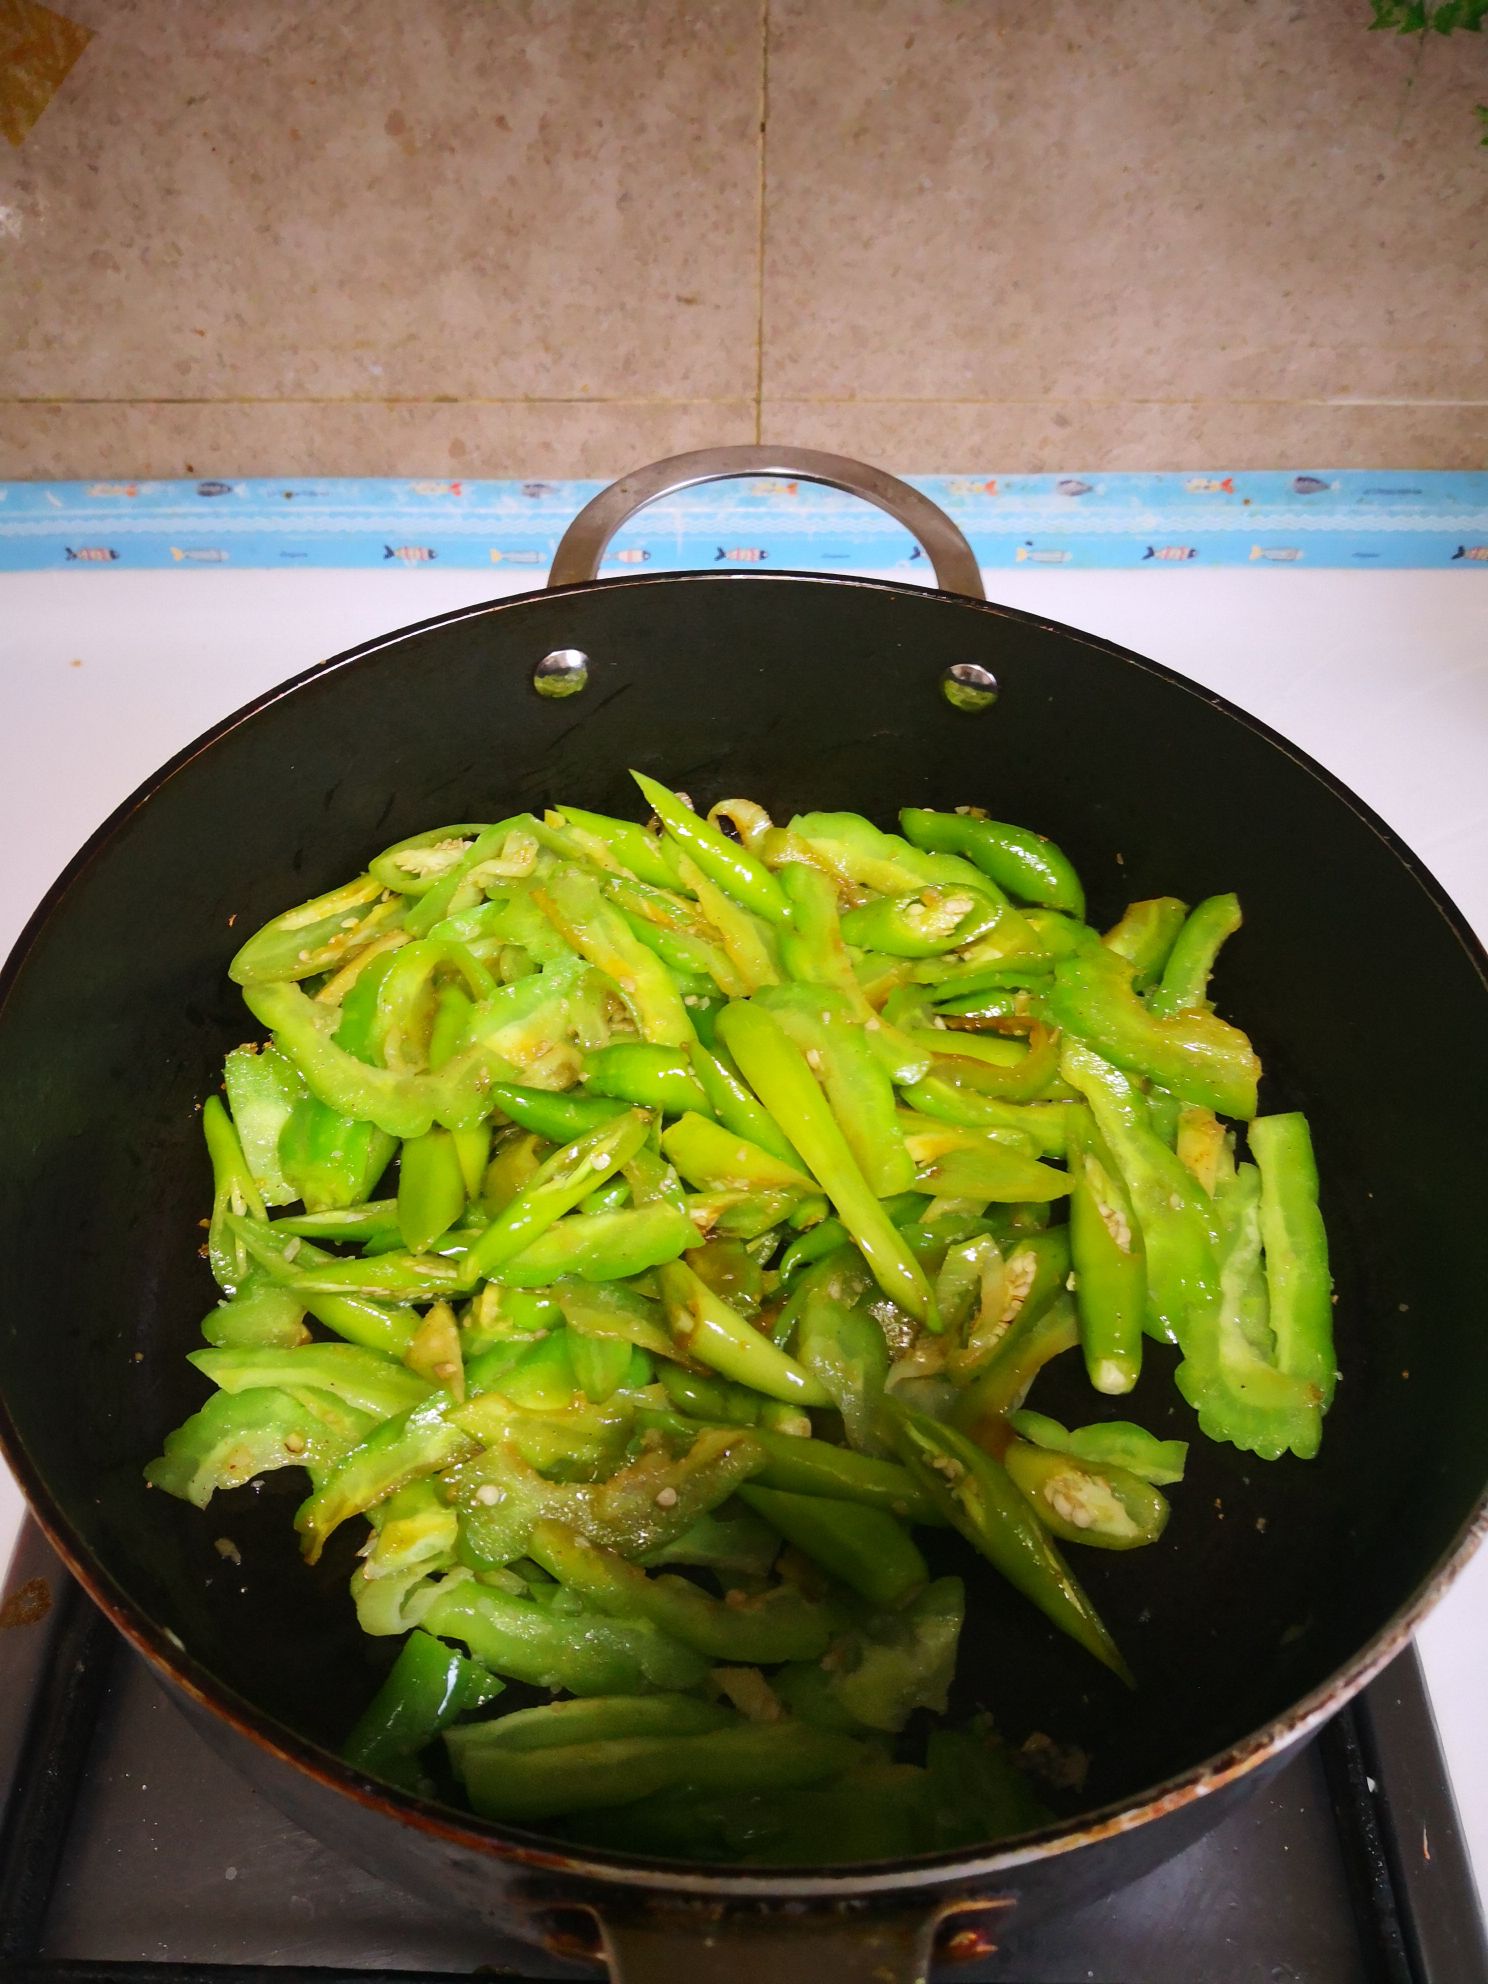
pixel 1278 1589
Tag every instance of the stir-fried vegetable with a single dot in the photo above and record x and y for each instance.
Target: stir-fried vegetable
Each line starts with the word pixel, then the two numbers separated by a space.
pixel 640 1232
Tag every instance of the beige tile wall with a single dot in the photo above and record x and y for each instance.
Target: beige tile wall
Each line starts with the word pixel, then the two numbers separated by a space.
pixel 561 236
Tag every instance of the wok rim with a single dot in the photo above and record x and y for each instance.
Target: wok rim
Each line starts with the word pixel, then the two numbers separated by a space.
pixel 923 1875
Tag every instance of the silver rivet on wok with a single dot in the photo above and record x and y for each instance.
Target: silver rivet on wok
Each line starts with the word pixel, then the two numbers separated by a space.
pixel 562 673
pixel 969 686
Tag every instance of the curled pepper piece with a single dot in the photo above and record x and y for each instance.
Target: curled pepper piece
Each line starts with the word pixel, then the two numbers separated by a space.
pixel 412 867
pixel 416 1443
pixel 602 1246
pixel 360 1378
pixel 979 1498
pixel 573 903
pixel 1185 979
pixel 262 1090
pixel 234 1193
pixel 871 1552
pixel 1080 1502
pixel 709 1157
pixel 933 920
pixel 1193 1054
pixel 741 874
pixel 649 858
pixel 558 1118
pixel 356 1317
pixel 317 936
pixel 1029 867
pixel 777 1071
pixel 649 1076
pixel 235 1438
pixel 1113 1443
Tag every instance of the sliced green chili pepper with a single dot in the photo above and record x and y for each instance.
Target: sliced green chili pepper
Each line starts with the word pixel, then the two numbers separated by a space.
pixel 870 1551
pixel 1195 1055
pixel 330 1160
pixel 779 1075
pixel 1082 1503
pixel 1145 936
pixel 361 1378
pixel 262 1089
pixel 233 1193
pixel 654 1077
pixel 355 1317
pixel 709 1157
pixel 712 1333
pixel 933 920
pixel 858 1086
pixel 509 846
pixel 232 1439
pixel 1025 864
pixel 559 1118
pixel 428 1685
pixel 732 867
pixel 1114 1443
pixel 587 1655
pixel 1110 1268
pixel 416 1443
pixel 1296 1245
pixel 411 867
pixel 846 1352
pixel 555 1188
pixel 572 902
pixel 260 1316
pixel 777 1624
pixel 885 863
pixel 648 857
pixel 749 1757
pixel 602 1246
pixel 941 1095
pixel 1185 979
pixel 748 942
pixel 730 1103
pixel 317 936
pixel 978 1498
pixel 1037 1334
pixel 1173 1216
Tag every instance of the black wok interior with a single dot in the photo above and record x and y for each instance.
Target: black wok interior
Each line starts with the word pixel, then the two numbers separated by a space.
pixel 1364 999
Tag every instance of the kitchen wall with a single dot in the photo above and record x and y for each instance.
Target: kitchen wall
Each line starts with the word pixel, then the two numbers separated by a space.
pixel 490 237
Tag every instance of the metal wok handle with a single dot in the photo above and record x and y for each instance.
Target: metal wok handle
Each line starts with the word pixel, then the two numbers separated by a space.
pixel 583 543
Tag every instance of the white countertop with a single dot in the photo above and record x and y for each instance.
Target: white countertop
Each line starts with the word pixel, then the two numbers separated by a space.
pixel 1382 676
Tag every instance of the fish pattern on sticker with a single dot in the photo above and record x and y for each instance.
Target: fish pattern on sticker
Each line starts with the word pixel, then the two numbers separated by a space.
pixel 1171 554
pixel 1210 485
pixel 1311 485
pixel 1475 553
pixel 1028 554
pixel 630 554
pixel 740 554
pixel 967 485
pixel 437 488
pixel 1071 485
pixel 90 554
pixel 1276 554
pixel 113 489
pixel 196 556
pixel 514 557
pixel 411 554
pixel 216 489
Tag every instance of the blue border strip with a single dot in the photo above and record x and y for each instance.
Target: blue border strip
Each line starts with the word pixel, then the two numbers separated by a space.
pixel 1329 518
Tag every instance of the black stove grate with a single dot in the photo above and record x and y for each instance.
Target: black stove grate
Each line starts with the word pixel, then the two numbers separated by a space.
pixel 1347 1868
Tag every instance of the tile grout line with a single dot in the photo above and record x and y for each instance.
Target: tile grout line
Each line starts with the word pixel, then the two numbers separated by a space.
pixel 759 265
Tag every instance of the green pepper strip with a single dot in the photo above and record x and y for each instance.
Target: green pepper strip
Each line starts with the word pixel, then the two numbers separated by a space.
pixel 870 1551
pixel 652 1077
pixel 1110 1268
pixel 412 867
pixel 231 1440
pixel 722 860
pixel 979 1499
pixel 803 1466
pixel 1185 979
pixel 439 901
pixel 316 936
pixel 963 1056
pixel 779 1624
pixel 1296 1244
pixel 748 942
pixel 1024 863
pixel 355 1317
pixel 573 904
pixel 1145 936
pixel 431 1189
pixel 427 1687
pixel 1194 1054
pixel 1082 1503
pixel 670 927
pixel 712 1333
pixel 1042 1330
pixel 555 1188
pixel 755 1758
pixel 885 863
pixel 1172 1212
pixel 587 1719
pixel 777 1072
pixel 418 1442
